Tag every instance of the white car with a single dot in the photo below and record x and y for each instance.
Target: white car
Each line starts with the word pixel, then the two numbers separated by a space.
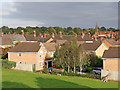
pixel 97 71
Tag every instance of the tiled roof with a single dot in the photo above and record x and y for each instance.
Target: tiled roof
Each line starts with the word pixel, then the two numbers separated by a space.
pixel 112 52
pixel 91 46
pixel 68 37
pixel 8 39
pixel 30 37
pixel 111 41
pixel 42 39
pixel 26 47
pixel 50 46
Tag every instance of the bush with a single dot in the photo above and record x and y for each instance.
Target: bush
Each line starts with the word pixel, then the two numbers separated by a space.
pixel 89 69
pixel 45 70
pixel 91 75
pixel 8 64
pixel 92 72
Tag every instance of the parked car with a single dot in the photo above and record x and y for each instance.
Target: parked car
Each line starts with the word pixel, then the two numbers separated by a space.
pixel 97 70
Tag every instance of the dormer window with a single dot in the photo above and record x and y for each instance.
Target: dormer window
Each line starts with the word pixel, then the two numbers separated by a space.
pixel 19 54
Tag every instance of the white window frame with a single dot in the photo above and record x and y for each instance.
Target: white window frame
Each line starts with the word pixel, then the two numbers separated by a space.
pixel 19 55
pixel 51 54
pixel 41 53
pixel 41 64
pixel 20 62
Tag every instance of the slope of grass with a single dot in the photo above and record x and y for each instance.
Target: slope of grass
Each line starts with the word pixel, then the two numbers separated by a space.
pixel 21 79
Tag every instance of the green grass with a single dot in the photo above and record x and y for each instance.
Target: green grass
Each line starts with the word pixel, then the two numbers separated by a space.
pixel 21 79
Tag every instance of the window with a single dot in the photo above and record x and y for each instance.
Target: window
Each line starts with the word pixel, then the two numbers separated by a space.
pixel 19 54
pixel 45 51
pixel 20 62
pixel 41 63
pixel 2 47
pixel 51 54
pixel 41 53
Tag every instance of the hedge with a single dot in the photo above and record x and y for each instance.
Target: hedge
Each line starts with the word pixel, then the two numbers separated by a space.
pixel 8 64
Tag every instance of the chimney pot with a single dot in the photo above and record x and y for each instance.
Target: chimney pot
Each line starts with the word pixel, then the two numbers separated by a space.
pixel 52 34
pixel 75 34
pixel 34 33
pixel 83 34
pixel 9 33
pixel 2 34
pixel 60 33
pixel 22 32
pixel 40 34
pixel 44 35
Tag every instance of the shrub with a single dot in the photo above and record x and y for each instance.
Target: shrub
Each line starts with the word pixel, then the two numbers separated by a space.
pixel 92 72
pixel 45 70
pixel 8 64
pixel 91 75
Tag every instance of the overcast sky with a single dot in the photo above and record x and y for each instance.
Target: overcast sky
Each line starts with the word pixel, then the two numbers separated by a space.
pixel 74 14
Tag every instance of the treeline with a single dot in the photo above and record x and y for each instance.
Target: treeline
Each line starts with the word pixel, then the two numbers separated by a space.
pixel 55 30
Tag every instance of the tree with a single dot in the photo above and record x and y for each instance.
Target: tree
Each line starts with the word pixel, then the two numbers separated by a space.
pixel 67 55
pixel 83 60
pixel 77 31
pixel 50 30
pixel 59 29
pixel 95 61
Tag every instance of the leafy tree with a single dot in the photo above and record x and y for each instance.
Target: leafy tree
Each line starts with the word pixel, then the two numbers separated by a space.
pixel 59 29
pixel 77 31
pixel 50 30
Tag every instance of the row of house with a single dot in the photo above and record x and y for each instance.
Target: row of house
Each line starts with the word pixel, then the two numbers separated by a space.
pixel 39 50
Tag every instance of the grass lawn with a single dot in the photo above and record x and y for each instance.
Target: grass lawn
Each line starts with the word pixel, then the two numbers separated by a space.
pixel 21 79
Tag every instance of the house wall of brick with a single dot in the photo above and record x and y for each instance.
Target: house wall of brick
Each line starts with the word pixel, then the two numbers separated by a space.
pixel 40 59
pixel 111 64
pixel 28 58
pixel 111 67
pixel 100 50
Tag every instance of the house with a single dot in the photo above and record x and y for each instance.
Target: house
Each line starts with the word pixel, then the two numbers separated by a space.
pixel 110 42
pixel 96 47
pixel 34 53
pixel 111 63
pixel 9 40
pixel 61 39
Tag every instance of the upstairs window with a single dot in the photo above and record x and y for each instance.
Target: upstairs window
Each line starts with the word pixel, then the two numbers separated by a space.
pixel 51 54
pixel 41 53
pixel 19 54
pixel 41 64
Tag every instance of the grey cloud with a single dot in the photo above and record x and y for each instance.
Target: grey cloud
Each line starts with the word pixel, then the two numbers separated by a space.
pixel 67 14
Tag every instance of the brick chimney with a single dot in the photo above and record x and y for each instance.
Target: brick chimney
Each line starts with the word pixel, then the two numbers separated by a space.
pixel 44 35
pixel 96 33
pixel 83 34
pixel 101 33
pixel 9 33
pixel 60 34
pixel 22 32
pixel 2 34
pixel 52 34
pixel 89 35
pixel 40 34
pixel 75 34
pixel 34 33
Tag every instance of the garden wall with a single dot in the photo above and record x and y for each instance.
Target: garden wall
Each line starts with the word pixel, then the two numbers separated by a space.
pixel 113 75
pixel 25 67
